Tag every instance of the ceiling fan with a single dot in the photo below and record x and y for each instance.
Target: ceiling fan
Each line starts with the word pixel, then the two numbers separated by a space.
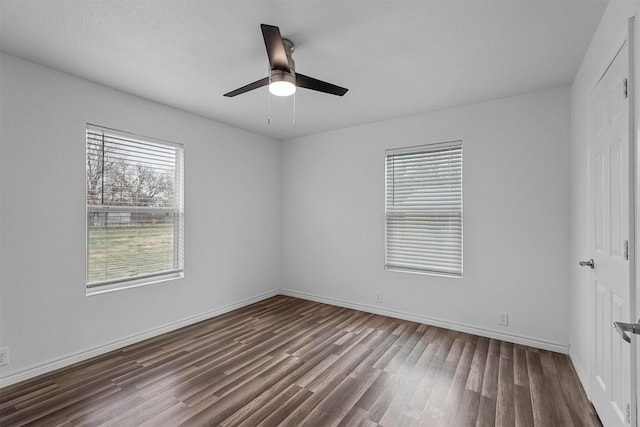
pixel 283 78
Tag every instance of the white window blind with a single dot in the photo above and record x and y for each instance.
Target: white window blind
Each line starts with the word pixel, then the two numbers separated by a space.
pixel 135 209
pixel 423 209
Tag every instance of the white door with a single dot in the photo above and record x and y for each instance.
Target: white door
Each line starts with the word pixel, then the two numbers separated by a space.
pixel 609 222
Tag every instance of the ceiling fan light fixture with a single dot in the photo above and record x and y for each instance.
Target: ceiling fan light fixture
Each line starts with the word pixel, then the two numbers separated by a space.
pixel 282 83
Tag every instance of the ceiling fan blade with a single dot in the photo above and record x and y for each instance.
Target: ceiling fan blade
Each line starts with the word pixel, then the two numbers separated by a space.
pixel 247 88
pixel 315 84
pixel 275 47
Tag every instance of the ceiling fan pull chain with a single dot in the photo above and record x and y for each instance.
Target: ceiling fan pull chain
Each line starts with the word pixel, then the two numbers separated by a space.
pixel 294 109
pixel 269 111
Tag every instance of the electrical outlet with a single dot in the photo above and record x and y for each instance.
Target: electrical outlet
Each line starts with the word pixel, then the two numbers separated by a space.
pixel 503 318
pixel 379 297
pixel 4 356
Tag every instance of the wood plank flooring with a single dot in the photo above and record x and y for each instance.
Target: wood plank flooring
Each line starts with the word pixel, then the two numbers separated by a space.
pixel 291 362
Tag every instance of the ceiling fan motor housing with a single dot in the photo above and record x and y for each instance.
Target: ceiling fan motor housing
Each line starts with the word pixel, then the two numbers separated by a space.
pixel 282 76
pixel 278 75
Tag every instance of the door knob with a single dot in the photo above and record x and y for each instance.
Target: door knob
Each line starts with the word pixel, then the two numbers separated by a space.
pixel 589 263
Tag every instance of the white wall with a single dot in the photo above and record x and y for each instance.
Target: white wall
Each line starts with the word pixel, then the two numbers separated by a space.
pixel 516 219
pixel 232 219
pixel 608 38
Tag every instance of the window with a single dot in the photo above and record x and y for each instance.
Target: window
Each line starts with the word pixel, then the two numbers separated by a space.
pixel 135 210
pixel 423 209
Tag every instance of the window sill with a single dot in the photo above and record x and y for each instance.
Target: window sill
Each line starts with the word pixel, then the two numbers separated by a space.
pixel 132 284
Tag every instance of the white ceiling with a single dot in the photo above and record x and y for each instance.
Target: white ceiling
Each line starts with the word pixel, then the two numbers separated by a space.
pixel 396 57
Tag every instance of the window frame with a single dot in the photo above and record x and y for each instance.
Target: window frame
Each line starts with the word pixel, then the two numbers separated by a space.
pixel 110 285
pixel 417 149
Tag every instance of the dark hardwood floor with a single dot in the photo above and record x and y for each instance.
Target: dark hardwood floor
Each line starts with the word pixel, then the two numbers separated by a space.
pixel 286 361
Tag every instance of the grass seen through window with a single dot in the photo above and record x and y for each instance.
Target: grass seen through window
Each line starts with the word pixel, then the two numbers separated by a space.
pixel 112 248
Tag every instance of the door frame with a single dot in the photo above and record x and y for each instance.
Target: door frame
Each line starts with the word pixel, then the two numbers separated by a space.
pixel 634 285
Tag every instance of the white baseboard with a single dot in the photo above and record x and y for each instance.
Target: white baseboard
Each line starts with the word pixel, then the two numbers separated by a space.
pixel 43 368
pixel 582 374
pixel 517 339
